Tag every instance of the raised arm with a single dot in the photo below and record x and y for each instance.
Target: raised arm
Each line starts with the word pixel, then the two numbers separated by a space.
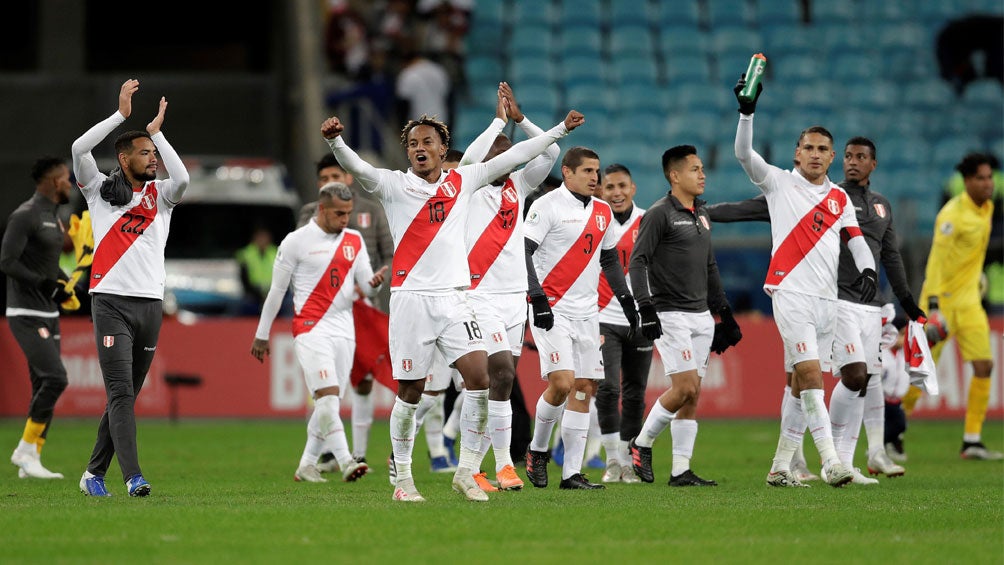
pixel 84 166
pixel 176 171
pixel 540 166
pixel 368 176
pixel 756 168
pixel 482 144
pixel 749 210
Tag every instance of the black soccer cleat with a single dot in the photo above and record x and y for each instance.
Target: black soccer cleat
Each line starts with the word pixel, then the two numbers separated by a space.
pixel 641 460
pixel 689 479
pixel 579 481
pixel 536 467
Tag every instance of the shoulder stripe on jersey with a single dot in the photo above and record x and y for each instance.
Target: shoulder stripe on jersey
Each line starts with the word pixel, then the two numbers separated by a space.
pixel 334 277
pixel 567 270
pixel 496 235
pixel 123 233
pixel 423 228
pixel 805 235
pixel 624 248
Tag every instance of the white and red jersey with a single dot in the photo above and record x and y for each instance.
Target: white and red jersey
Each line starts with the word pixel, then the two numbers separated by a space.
pixel 129 240
pixel 428 221
pixel 323 269
pixel 569 236
pixel 496 253
pixel 625 234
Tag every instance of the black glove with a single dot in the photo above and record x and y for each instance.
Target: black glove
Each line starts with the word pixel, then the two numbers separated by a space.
pixel 543 318
pixel 867 281
pixel 56 290
pixel 651 327
pixel 727 332
pixel 911 309
pixel 630 311
pixel 747 108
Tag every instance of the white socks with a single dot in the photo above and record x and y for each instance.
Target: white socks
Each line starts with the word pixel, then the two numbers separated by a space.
pixel 325 432
pixel 593 441
pixel 402 436
pixel 819 424
pixel 684 434
pixel 874 415
pixel 658 419
pixel 543 424
pixel 362 421
pixel 792 431
pixel 611 446
pixel 473 423
pixel 430 415
pixel 574 432
pixel 452 426
pixel 846 410
pixel 500 430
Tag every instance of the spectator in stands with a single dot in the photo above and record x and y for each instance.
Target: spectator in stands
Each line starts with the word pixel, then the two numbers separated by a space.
pixel 423 86
pixel 346 40
pixel 961 39
pixel 255 261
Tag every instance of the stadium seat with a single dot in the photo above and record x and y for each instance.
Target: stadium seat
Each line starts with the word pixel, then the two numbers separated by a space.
pixel 490 13
pixel 833 12
pixel 641 126
pixel 795 69
pixel 482 69
pixel 983 92
pixel 630 41
pixel 590 100
pixel 774 12
pixel 878 94
pixel 736 39
pixel 682 41
pixel 539 14
pixel 855 67
pixel 485 39
pixel 694 128
pixel 947 151
pixel 927 94
pixel 905 154
pixel 692 69
pixel 580 40
pixel 531 70
pixel 728 13
pixel 634 72
pixel 700 96
pixel 674 14
pixel 907 36
pixel 783 41
pixel 582 69
pixel 813 96
pixel 530 40
pixel 643 101
pixel 573 13
pixel 629 14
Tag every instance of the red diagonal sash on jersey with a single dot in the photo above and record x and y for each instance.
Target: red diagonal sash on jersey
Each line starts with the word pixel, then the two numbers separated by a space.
pixel 123 233
pixel 423 228
pixel 805 235
pixel 334 277
pixel 499 231
pixel 624 248
pixel 569 267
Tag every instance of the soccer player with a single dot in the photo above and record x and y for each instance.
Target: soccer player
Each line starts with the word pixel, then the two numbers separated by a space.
pixel 29 256
pixel 808 213
pixel 858 395
pixel 675 277
pixel 427 211
pixel 324 260
pixel 620 397
pixel 131 216
pixel 952 294
pixel 568 239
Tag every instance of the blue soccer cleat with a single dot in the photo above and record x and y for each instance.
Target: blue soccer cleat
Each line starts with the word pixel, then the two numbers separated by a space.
pixel 449 443
pixel 558 454
pixel 138 486
pixel 441 465
pixel 93 485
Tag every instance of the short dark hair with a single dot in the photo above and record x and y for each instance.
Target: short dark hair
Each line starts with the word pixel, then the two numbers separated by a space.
pixel 574 156
pixel 616 168
pixel 123 143
pixel 453 155
pixel 426 120
pixel 43 166
pixel 859 140
pixel 327 161
pixel 814 129
pixel 674 155
pixel 970 164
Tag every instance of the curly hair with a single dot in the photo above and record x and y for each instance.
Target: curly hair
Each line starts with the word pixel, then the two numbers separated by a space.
pixel 426 120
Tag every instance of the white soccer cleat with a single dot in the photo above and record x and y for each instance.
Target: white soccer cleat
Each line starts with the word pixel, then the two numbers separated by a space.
pixel 330 466
pixel 802 472
pixel 880 463
pixel 613 473
pixel 895 453
pixel 628 476
pixel 837 474
pixel 858 479
pixel 354 471
pixel 978 451
pixel 464 483
pixel 309 474
pixel 784 479
pixel 30 466
pixel 405 491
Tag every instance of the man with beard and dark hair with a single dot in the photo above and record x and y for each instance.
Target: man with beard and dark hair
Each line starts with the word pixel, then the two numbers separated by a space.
pixel 29 256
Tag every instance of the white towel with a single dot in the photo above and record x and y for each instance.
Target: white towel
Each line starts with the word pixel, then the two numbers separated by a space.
pixel 919 359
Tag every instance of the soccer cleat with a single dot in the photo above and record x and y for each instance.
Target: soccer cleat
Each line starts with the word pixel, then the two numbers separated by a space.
pixel 641 460
pixel 30 466
pixel 391 470
pixel 449 443
pixel 895 451
pixel 689 479
pixel 613 473
pixel 309 474
pixel 327 463
pixel 536 467
pixel 802 472
pixel 93 485
pixel 629 477
pixel 362 459
pixel 978 451
pixel 464 483
pixel 579 481
pixel 859 479
pixel 137 486
pixel 558 454
pixel 405 491
pixel 880 464
pixel 441 465
pixel 483 483
pixel 837 474
pixel 784 479
pixel 508 479
pixel 355 471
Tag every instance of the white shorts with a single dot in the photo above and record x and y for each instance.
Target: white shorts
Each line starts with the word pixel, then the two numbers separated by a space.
pixel 806 324
pixel 502 318
pixel 857 337
pixel 571 345
pixel 420 324
pixel 326 361
pixel 441 374
pixel 685 344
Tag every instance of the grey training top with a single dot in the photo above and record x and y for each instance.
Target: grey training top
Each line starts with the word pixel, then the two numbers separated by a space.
pixel 30 253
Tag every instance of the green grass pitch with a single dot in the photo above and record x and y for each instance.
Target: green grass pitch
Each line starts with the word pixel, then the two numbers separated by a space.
pixel 223 491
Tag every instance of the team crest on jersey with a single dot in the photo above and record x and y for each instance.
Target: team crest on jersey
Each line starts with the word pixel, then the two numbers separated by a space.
pixel 43 333
pixel 554 357
pixel 364 219
pixel 108 340
pixel 448 189
pixel 849 347
pixel 801 347
pixel 685 354
pixel 497 337
pixel 509 193
pixel 834 206
pixel 880 209
pixel 148 202
pixel 407 365
pixel 601 222
pixel 705 223
pixel 348 252
pixel 634 236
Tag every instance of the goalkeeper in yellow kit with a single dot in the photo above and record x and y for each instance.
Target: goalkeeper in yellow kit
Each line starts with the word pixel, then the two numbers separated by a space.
pixel 952 291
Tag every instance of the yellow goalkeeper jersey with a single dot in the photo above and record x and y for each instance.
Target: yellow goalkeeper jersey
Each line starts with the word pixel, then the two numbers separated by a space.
pixel 961 233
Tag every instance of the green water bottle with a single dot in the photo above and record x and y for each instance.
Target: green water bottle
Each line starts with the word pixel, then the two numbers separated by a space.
pixel 754 73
